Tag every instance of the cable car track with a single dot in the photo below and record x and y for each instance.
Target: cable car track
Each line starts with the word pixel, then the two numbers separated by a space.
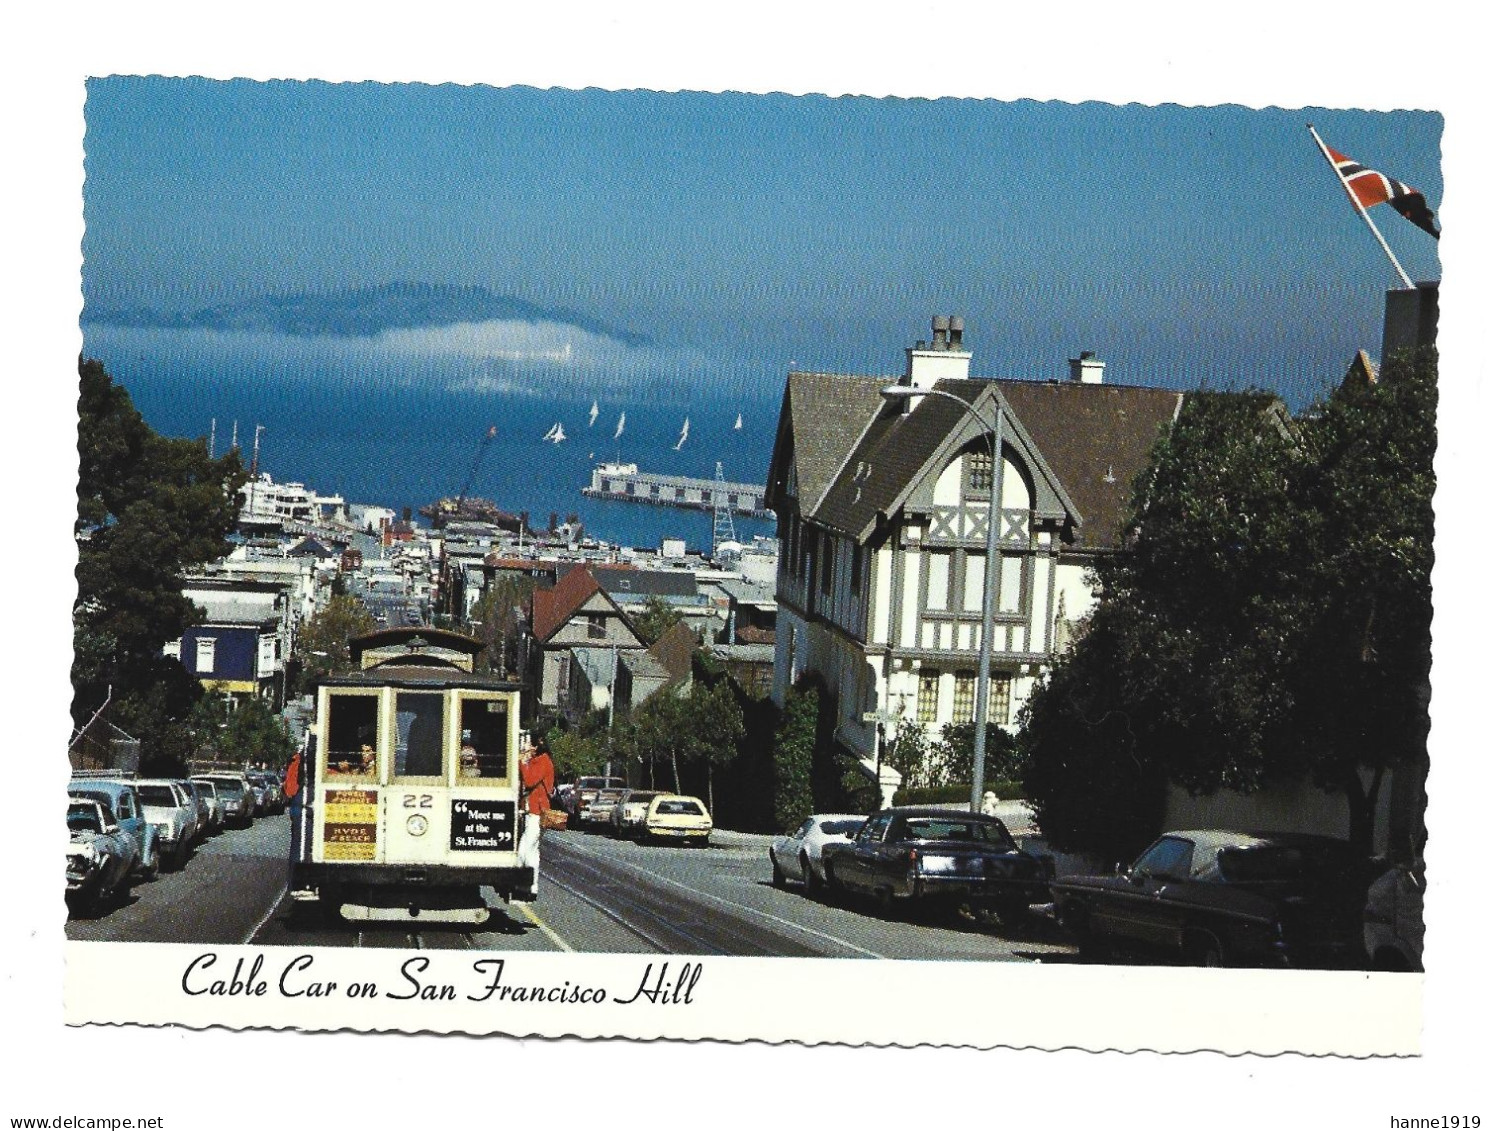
pixel 680 921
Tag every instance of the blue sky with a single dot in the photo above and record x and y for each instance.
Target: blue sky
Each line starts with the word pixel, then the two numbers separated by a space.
pixel 745 233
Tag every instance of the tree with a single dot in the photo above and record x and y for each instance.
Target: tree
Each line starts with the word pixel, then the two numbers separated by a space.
pixel 579 751
pixel 656 617
pixel 796 737
pixel 323 646
pixel 149 509
pixel 713 726
pixel 1266 621
pixel 910 753
pixel 497 621
pixel 1002 760
pixel 257 736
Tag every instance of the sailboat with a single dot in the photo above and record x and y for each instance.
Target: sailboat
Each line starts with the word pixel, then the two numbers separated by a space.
pixel 554 427
pixel 594 412
pixel 739 421
pixel 558 437
pixel 620 426
pixel 678 447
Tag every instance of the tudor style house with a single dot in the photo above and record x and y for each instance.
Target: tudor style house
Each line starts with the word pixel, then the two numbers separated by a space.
pixel 883 507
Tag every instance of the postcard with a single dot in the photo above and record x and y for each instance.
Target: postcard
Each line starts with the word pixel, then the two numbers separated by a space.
pixel 644 563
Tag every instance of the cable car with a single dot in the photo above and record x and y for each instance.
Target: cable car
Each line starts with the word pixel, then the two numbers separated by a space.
pixel 410 793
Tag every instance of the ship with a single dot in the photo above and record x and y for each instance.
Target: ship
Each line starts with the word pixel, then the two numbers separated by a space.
pixel 470 509
pixel 627 483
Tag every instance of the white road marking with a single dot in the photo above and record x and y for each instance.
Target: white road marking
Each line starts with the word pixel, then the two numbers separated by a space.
pixel 272 907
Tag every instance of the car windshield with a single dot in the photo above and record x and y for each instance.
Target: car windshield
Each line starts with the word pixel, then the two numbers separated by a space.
pixel 1280 863
pixel 945 828
pixel 841 828
pixel 101 798
pixel 158 795
pixel 230 787
pixel 206 788
pixel 677 808
pixel 83 817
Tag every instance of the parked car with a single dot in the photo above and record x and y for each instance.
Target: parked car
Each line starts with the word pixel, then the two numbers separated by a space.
pixel 198 795
pixel 628 816
pixel 259 791
pixel 236 795
pixel 100 855
pixel 124 803
pixel 584 790
pixel 1393 933
pixel 174 816
pixel 266 786
pixel 1215 897
pixel 799 854
pixel 923 857
pixel 208 792
pixel 671 816
pixel 598 811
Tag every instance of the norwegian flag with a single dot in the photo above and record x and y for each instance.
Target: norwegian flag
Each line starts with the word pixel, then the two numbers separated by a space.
pixel 1368 187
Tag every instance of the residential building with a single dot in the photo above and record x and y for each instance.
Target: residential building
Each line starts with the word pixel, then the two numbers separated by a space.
pixel 883 510
pixel 576 611
pixel 238 650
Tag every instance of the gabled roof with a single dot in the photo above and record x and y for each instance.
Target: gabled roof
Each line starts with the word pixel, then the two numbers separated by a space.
pixel 674 651
pixel 822 418
pixel 899 449
pixel 310 547
pixel 1089 441
pixel 552 608
pixel 1097 438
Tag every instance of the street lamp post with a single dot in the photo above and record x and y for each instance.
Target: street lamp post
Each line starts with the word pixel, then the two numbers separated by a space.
pixel 992 567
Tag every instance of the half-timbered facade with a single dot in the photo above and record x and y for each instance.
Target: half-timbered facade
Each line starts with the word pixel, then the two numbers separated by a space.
pixel 884 508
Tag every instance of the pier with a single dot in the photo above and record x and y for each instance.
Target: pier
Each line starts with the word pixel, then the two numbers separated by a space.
pixel 623 481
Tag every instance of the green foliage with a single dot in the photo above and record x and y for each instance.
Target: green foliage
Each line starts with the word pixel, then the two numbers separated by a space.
pixel 682 734
pixel 1086 774
pixel 497 622
pixel 656 617
pixel 149 509
pixel 256 736
pixel 1267 621
pixel 957 792
pixel 910 751
pixel 796 737
pixel 1002 758
pixel 322 647
pixel 579 750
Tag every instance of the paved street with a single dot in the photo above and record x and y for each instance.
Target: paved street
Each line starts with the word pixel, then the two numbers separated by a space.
pixel 595 894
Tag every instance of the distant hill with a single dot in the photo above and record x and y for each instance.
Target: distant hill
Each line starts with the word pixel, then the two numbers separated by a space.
pixel 361 312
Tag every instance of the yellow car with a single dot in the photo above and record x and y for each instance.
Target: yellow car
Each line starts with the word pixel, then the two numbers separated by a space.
pixel 672 817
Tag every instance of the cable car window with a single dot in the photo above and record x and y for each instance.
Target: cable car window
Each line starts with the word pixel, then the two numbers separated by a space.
pixel 483 738
pixel 420 747
pixel 352 736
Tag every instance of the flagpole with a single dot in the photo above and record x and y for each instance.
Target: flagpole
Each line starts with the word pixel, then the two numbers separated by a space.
pixel 1323 149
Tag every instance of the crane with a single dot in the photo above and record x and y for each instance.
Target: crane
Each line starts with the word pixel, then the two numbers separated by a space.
pixel 491 434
